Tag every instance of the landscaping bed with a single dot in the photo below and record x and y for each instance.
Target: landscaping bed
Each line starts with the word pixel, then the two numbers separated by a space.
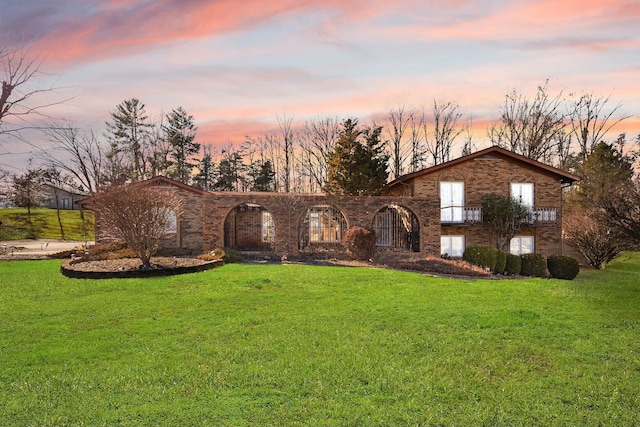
pixel 131 267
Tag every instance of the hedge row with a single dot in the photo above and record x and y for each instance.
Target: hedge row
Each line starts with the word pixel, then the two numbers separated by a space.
pixel 535 264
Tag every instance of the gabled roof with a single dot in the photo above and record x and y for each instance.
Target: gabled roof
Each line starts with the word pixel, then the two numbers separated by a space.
pixel 157 180
pixel 498 152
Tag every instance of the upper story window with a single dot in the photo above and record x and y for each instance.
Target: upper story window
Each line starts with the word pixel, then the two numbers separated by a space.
pixel 451 201
pixel 522 192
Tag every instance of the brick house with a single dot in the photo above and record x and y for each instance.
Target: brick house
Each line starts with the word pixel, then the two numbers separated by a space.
pixel 433 211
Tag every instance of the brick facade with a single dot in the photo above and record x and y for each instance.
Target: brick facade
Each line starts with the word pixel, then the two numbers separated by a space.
pixel 201 227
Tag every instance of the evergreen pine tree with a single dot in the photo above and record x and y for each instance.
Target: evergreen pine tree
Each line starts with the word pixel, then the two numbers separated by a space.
pixel 180 132
pixel 357 165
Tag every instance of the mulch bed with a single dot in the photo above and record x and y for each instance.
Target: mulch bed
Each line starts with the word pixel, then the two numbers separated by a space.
pixel 131 267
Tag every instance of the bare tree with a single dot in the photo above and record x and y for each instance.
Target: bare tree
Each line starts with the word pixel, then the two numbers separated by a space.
pixel 140 215
pixel 530 127
pixel 399 121
pixel 469 146
pixel 317 140
pixel 590 120
pixel 284 123
pixel 418 141
pixel 446 128
pixel 587 230
pixel 22 94
pixel 77 153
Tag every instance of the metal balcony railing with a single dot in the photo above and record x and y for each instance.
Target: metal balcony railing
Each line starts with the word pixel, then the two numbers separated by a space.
pixel 473 215
pixel 543 216
pixel 461 215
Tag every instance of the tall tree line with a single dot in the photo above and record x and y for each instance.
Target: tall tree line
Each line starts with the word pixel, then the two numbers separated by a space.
pixel 555 128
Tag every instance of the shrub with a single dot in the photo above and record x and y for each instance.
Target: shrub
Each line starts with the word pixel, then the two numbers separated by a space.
pixel 501 262
pixel 483 256
pixel 563 267
pixel 534 265
pixel 230 256
pixel 360 243
pixel 513 264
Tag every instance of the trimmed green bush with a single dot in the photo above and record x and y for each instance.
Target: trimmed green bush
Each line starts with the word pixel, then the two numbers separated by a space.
pixel 563 267
pixel 513 264
pixel 360 243
pixel 501 262
pixel 534 265
pixel 483 256
pixel 231 256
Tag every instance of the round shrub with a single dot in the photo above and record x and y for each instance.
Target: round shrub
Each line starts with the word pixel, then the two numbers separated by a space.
pixel 563 267
pixel 513 264
pixel 360 243
pixel 534 265
pixel 483 256
pixel 230 256
pixel 501 262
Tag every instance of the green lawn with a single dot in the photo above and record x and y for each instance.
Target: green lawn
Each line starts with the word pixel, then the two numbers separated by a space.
pixel 44 224
pixel 308 345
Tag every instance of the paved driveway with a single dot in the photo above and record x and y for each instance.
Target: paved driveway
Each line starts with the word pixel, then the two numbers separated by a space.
pixel 37 246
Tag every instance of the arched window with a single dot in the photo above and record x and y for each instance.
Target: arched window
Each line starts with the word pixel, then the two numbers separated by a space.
pixel 397 229
pixel 249 227
pixel 322 228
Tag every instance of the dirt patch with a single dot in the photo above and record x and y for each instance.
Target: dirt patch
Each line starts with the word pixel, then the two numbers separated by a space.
pixel 131 267
pixel 440 266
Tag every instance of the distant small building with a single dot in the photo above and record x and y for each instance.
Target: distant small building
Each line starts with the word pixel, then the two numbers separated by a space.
pixel 62 198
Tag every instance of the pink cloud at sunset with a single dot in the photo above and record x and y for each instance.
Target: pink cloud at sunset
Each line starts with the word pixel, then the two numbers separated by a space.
pixel 237 66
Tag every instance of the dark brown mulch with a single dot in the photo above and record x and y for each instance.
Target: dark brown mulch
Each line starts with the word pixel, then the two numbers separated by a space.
pixel 446 267
pixel 132 267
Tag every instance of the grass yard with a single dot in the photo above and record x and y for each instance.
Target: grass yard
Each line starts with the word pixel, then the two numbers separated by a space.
pixel 308 345
pixel 44 224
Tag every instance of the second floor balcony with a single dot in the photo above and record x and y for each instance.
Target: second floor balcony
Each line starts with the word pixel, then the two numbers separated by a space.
pixel 469 215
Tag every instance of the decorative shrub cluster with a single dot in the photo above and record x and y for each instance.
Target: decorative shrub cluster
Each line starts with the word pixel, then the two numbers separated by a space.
pixel 513 264
pixel 483 256
pixel 501 262
pixel 534 265
pixel 563 267
pixel 360 243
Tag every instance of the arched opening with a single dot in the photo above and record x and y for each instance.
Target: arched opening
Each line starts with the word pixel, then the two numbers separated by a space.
pixel 397 229
pixel 249 227
pixel 322 229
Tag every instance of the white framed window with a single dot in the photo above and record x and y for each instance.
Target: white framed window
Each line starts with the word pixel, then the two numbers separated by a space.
pixel 520 245
pixel 172 223
pixel 268 227
pixel 522 192
pixel 452 246
pixel 451 201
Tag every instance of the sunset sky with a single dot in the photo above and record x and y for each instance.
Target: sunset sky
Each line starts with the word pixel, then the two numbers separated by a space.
pixel 236 65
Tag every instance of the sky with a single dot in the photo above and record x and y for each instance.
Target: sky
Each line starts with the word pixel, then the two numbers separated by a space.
pixel 238 65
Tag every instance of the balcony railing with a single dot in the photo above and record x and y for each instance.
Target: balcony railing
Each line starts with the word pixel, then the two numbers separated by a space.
pixel 473 215
pixel 543 216
pixel 461 215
